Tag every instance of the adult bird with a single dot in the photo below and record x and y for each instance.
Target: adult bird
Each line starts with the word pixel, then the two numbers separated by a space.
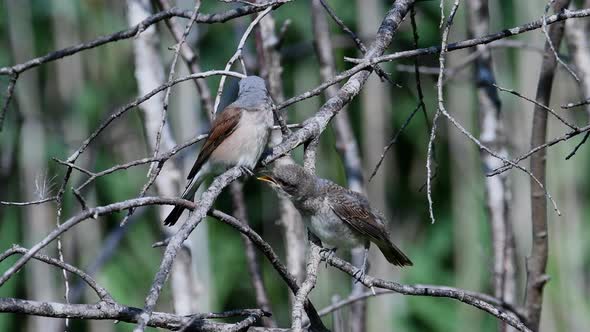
pixel 237 137
pixel 339 217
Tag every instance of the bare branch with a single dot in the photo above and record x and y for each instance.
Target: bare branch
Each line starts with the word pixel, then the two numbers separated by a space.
pixel 122 110
pixel 546 108
pixel 441 106
pixel 550 42
pixel 497 190
pixel 483 302
pixel 537 261
pixel 162 157
pixel 313 262
pixel 272 257
pixel 238 54
pixel 572 105
pixel 117 312
pixel 578 146
pixel 191 59
pixel 357 41
pixel 7 98
pixel 102 293
pixel 133 31
pixel 91 213
pixel 538 148
pixel 262 301
pixel 41 201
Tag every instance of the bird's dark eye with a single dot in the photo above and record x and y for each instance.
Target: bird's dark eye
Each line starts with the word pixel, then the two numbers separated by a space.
pixel 284 184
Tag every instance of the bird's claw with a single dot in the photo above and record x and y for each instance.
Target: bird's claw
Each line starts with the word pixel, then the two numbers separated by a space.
pixel 246 170
pixel 330 253
pixel 359 275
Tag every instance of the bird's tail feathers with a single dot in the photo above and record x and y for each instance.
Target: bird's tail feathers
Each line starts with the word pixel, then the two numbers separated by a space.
pixel 188 194
pixel 393 254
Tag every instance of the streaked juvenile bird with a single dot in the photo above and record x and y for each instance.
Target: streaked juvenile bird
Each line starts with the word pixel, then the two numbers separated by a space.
pixel 237 137
pixel 339 217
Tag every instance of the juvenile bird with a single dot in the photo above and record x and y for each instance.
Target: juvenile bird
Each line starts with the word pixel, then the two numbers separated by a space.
pixel 339 217
pixel 237 137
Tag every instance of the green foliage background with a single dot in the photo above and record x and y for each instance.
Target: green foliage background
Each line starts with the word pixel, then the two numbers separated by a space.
pixel 128 273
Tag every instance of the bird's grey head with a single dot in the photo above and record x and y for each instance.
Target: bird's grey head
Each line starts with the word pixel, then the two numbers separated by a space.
pixel 252 92
pixel 291 180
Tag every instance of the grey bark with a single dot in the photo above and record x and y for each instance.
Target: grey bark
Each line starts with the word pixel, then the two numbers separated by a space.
pixel 497 190
pixel 537 261
pixel 41 280
pixel 149 73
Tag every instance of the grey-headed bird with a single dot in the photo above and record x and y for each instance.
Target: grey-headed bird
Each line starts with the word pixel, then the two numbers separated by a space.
pixel 237 137
pixel 339 217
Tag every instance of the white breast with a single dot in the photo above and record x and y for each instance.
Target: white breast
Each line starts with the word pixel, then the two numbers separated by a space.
pixel 245 145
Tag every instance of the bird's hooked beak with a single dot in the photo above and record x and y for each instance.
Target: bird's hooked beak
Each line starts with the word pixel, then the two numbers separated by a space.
pixel 268 179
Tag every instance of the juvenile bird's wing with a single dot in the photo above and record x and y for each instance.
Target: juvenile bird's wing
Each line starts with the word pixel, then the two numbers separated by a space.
pixel 353 208
pixel 223 126
pixel 355 211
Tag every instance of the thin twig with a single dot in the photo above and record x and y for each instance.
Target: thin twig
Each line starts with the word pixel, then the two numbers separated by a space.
pixel 572 105
pixel 550 42
pixel 122 110
pixel 133 31
pixel 40 201
pixel 357 41
pixel 557 116
pixel 237 55
pixel 538 148
pixel 578 146
pixel 484 302
pixel 177 47
pixel 162 157
pixel 271 256
pixel 441 106
pixel 7 98
pixel 394 140
pixel 86 214
pixel 102 293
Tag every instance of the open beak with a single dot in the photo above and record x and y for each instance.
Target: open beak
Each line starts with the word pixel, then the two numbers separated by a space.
pixel 266 178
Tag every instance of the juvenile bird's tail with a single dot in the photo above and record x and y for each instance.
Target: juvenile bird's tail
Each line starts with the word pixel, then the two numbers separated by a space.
pixel 393 254
pixel 188 194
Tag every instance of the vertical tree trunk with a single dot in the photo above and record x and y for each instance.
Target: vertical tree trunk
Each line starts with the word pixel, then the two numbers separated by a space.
pixel 149 73
pixel 375 105
pixel 41 279
pixel 469 255
pixel 518 124
pixel 83 242
pixel 537 261
pixel 497 191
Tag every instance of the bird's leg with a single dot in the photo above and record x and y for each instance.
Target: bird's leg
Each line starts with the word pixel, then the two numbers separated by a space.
pixel 331 252
pixel 246 170
pixel 362 272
